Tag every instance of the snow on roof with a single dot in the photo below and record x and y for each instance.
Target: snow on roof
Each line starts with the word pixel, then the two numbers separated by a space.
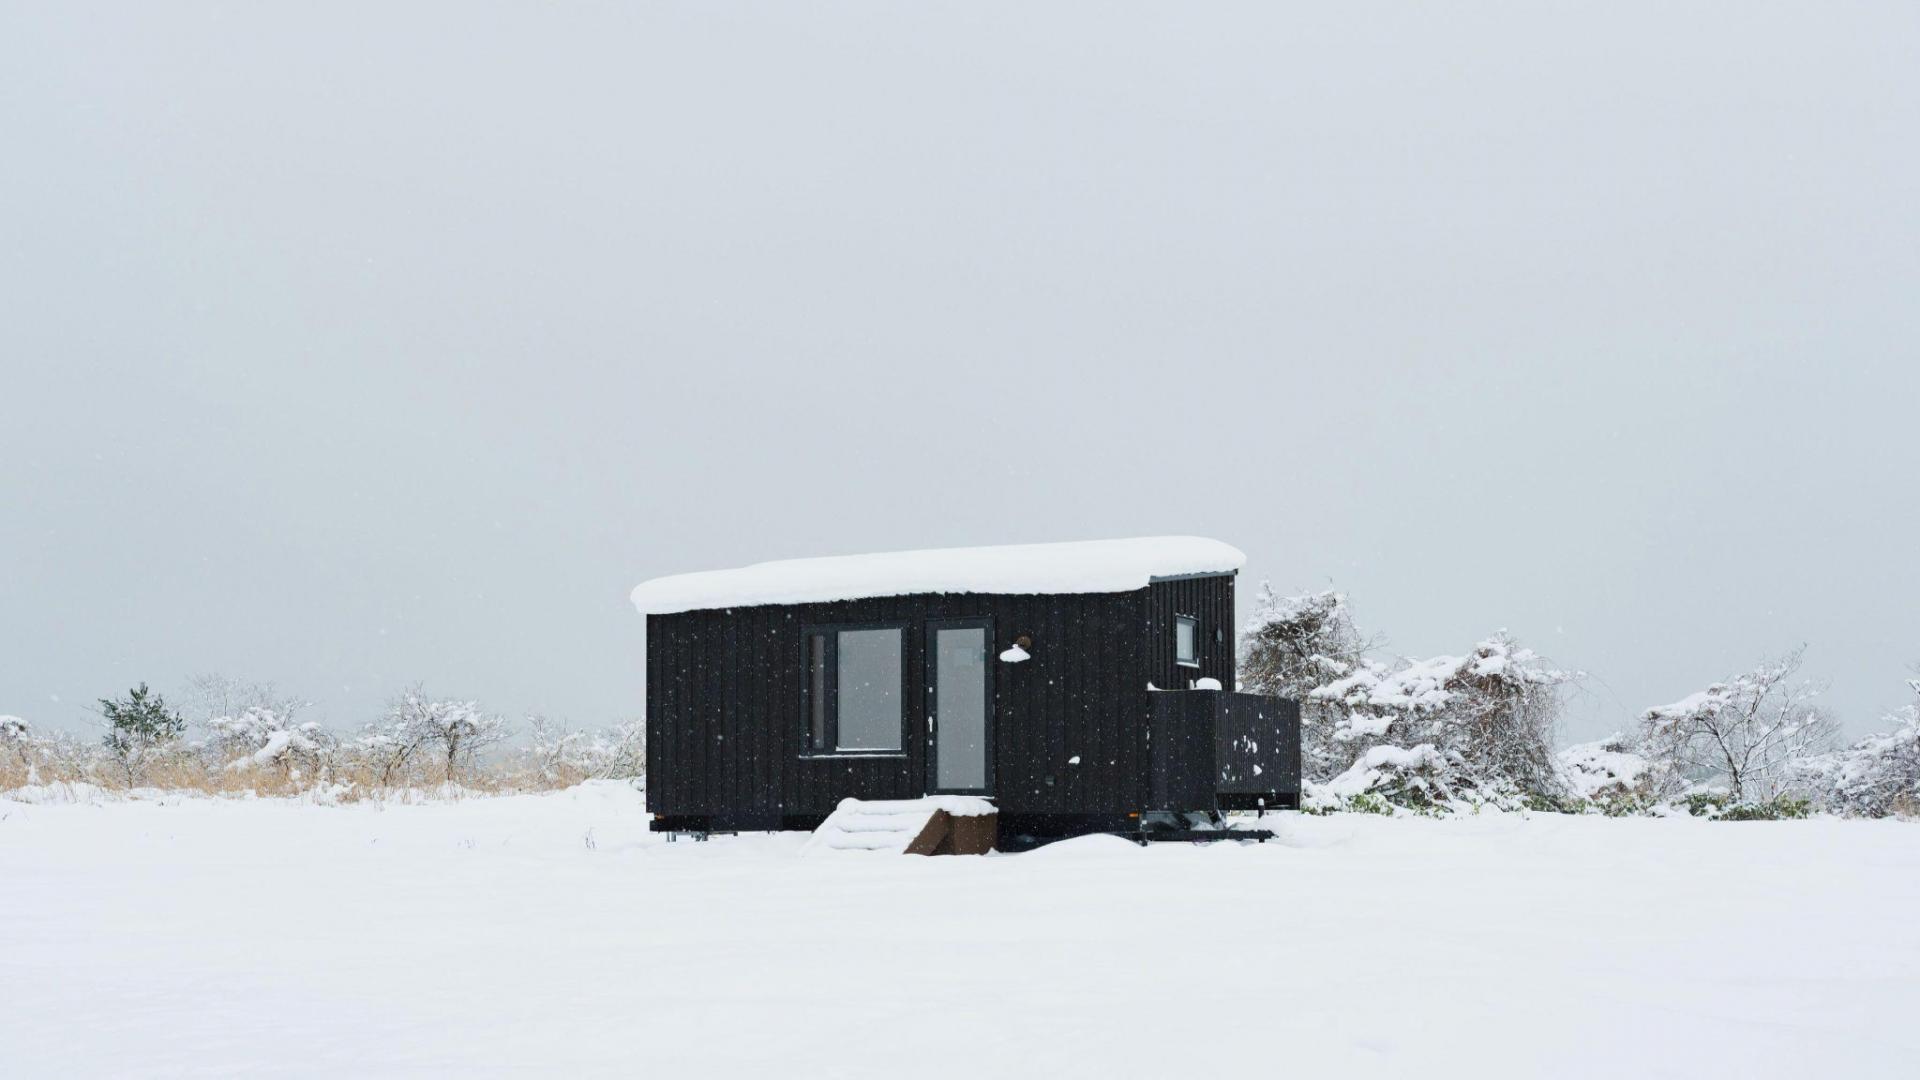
pixel 1090 566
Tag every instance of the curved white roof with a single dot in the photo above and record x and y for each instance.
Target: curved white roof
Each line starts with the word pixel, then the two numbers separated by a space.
pixel 1090 566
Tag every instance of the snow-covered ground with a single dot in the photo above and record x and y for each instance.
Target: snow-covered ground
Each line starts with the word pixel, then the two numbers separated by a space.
pixel 551 935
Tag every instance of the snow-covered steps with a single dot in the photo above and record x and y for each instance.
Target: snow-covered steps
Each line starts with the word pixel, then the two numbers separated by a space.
pixel 934 825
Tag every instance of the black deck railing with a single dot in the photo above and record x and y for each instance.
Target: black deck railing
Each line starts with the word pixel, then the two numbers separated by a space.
pixel 1221 750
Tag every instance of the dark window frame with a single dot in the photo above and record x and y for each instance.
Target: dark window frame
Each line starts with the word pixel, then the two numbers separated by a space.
pixel 932 630
pixel 831 632
pixel 1191 620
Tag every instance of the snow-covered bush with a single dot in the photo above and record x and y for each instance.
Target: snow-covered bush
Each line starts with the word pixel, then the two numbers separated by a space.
pixel 1745 738
pixel 384 754
pixel 1479 727
pixel 1421 779
pixel 1293 646
pixel 262 738
pixel 29 758
pixel 619 751
pixel 253 739
pixel 212 695
pixel 16 753
pixel 449 733
pixel 557 755
pixel 552 749
pixel 1610 776
pixel 1720 806
pixel 1875 777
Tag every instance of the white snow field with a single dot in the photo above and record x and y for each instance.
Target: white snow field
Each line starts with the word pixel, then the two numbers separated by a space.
pixel 550 935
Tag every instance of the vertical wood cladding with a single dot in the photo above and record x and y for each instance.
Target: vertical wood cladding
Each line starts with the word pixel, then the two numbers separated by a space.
pixel 1216 748
pixel 1210 601
pixel 725 702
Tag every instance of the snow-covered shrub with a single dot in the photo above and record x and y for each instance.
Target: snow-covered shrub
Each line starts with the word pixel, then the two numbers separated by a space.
pixel 1610 776
pixel 28 759
pixel 619 751
pixel 262 738
pixel 385 754
pixel 1480 727
pixel 1421 779
pixel 1293 646
pixel 1746 737
pixel 449 733
pixel 213 695
pixel 558 756
pixel 1720 806
pixel 1875 777
pixel 552 750
pixel 16 753
pixel 253 740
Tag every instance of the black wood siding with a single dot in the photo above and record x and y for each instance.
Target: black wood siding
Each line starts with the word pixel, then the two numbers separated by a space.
pixel 1257 742
pixel 1215 749
pixel 725 725
pixel 1208 599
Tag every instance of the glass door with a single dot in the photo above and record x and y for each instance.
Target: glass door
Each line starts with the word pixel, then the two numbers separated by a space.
pixel 960 707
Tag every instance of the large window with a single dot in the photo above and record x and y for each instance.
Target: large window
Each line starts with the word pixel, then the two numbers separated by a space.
pixel 1186 640
pixel 853 690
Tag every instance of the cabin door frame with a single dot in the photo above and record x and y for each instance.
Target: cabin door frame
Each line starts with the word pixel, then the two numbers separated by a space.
pixel 934 628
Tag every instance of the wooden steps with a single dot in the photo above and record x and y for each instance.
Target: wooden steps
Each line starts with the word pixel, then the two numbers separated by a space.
pixel 934 825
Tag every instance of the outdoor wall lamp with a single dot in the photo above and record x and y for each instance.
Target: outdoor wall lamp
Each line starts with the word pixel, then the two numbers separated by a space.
pixel 1021 649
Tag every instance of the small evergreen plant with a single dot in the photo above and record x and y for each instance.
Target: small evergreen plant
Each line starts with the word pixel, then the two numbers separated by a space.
pixel 138 725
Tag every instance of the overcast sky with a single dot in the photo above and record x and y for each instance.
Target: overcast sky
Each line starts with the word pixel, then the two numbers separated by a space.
pixel 387 342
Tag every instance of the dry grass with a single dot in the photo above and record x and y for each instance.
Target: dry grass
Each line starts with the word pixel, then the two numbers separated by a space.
pixel 340 777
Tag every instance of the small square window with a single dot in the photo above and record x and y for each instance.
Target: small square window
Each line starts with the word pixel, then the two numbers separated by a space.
pixel 1186 640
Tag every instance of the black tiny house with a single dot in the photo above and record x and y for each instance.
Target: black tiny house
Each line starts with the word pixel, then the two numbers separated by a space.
pixel 1078 686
